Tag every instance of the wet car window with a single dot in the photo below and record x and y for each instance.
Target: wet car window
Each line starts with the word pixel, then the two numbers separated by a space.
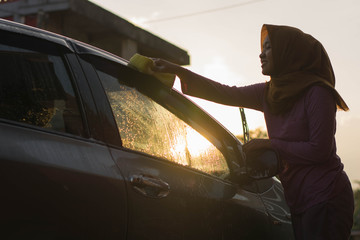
pixel 35 88
pixel 146 126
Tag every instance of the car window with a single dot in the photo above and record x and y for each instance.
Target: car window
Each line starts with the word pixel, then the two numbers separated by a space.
pixel 35 86
pixel 146 126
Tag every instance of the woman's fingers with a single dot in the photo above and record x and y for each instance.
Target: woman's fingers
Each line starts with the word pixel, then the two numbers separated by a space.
pixel 164 66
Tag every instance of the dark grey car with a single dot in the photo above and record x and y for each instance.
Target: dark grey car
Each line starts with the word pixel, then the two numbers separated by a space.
pixel 92 149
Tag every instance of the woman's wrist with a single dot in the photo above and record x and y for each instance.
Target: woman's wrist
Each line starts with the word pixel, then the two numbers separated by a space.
pixel 181 71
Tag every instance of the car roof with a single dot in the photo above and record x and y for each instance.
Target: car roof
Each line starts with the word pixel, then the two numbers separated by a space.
pixel 23 29
pixel 69 43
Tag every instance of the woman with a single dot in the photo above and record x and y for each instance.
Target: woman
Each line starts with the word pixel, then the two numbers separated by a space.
pixel 299 104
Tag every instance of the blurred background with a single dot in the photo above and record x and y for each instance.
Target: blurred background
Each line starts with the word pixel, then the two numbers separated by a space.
pixel 223 41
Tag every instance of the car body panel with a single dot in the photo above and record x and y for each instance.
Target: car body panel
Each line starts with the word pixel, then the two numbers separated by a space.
pixel 197 205
pixel 58 186
pixel 272 195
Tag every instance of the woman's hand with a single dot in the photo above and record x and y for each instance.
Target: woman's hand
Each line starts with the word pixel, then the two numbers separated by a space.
pixel 256 144
pixel 164 66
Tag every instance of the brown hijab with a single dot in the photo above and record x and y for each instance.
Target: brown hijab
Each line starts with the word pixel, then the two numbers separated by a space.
pixel 300 61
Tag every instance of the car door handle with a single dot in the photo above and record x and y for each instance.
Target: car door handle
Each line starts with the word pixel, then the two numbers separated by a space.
pixel 150 186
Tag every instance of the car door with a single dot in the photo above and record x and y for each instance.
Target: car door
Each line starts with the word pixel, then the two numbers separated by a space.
pixel 176 176
pixel 57 179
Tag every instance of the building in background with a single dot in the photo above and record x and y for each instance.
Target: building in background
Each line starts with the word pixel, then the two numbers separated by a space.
pixel 89 23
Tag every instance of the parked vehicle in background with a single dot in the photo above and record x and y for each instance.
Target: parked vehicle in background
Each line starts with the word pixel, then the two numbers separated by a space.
pixel 92 149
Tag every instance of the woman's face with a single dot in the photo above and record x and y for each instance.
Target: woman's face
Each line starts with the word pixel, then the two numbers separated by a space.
pixel 266 58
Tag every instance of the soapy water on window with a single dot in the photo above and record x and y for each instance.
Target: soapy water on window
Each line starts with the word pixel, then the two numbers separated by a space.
pixel 146 126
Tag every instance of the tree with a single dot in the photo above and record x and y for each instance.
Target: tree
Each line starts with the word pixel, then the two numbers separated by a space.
pixel 255 133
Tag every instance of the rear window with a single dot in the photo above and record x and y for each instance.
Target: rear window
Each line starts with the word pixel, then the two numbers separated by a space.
pixel 35 86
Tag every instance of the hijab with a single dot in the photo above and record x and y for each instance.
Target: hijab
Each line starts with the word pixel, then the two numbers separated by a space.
pixel 300 61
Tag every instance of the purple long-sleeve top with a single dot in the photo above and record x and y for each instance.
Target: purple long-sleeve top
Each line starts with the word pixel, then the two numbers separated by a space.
pixel 304 138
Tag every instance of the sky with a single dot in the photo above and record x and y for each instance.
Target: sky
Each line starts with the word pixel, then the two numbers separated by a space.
pixel 223 41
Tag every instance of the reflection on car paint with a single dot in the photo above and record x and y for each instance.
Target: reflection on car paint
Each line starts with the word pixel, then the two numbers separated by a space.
pixel 274 204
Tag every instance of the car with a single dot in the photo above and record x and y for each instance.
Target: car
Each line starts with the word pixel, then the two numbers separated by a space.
pixel 92 149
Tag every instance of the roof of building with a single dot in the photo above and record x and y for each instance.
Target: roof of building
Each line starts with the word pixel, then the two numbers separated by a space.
pixel 98 23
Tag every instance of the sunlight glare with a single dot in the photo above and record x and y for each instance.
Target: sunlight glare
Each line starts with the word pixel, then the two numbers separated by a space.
pixel 197 144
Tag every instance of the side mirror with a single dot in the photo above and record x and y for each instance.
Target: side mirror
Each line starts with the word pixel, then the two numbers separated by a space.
pixel 262 164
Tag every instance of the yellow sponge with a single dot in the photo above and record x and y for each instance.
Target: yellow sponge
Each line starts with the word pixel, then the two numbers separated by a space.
pixel 144 64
